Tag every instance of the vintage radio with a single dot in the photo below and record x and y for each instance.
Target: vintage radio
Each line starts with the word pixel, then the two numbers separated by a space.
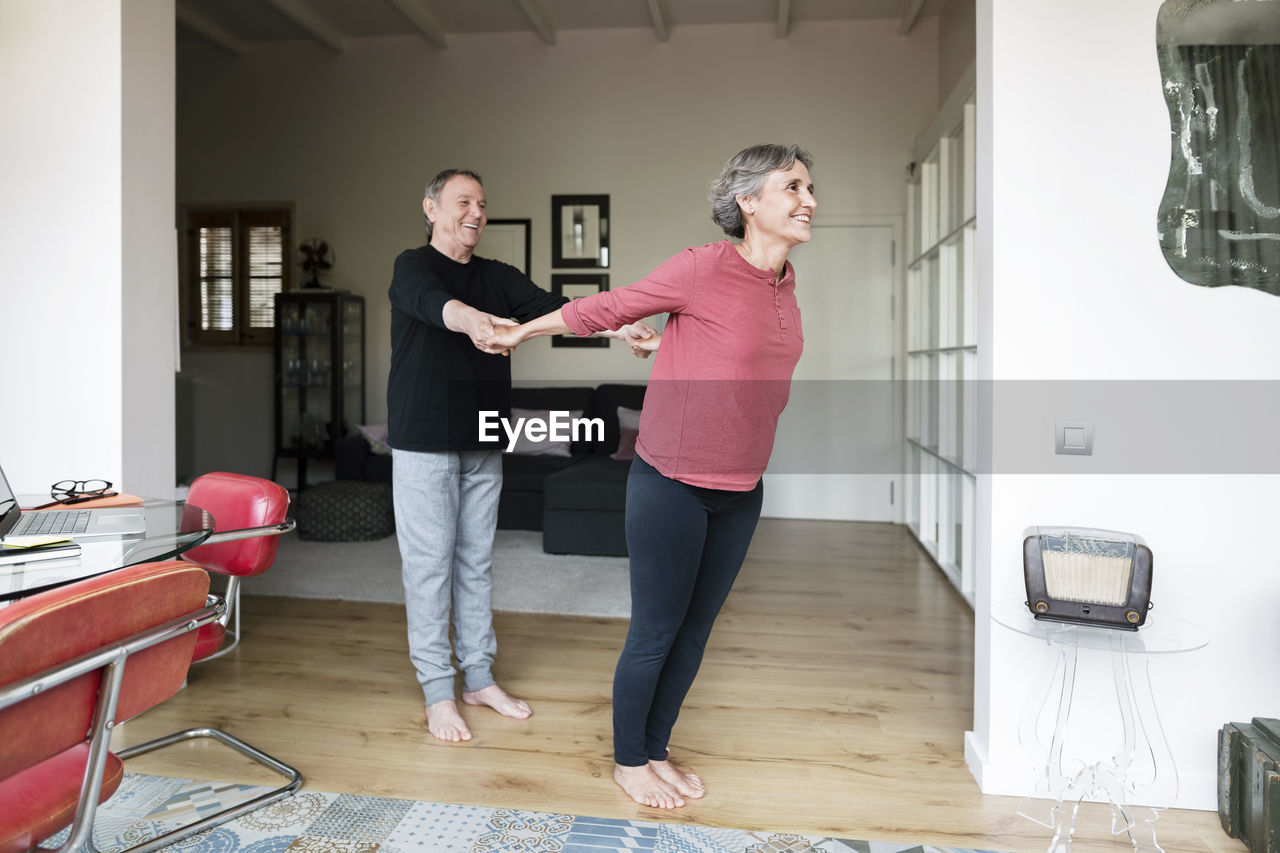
pixel 1087 576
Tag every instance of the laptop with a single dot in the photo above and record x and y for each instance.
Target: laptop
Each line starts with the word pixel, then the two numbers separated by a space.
pixel 25 528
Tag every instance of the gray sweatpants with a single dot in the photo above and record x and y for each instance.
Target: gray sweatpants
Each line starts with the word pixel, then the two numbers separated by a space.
pixel 446 514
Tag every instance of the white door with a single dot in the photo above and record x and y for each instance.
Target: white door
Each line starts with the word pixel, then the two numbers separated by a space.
pixel 838 454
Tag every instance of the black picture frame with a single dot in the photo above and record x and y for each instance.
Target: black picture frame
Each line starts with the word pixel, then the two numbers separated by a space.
pixel 575 286
pixel 507 240
pixel 580 231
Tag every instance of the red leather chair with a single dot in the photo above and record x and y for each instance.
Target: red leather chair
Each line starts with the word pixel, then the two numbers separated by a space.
pixel 76 660
pixel 256 510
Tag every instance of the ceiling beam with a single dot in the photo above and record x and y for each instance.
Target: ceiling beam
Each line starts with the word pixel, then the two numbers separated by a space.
pixel 784 18
pixel 659 20
pixel 909 16
pixel 196 22
pixel 421 16
pixel 318 26
pixel 539 21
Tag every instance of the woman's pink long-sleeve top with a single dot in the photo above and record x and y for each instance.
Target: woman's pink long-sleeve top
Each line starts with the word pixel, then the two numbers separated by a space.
pixel 723 373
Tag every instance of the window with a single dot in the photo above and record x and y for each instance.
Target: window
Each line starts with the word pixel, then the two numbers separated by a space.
pixel 236 263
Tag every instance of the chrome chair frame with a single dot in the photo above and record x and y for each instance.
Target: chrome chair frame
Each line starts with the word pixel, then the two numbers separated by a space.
pixel 232 590
pixel 229 813
pixel 111 659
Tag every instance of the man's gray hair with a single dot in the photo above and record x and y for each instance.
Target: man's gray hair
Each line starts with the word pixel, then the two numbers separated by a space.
pixel 744 175
pixel 437 183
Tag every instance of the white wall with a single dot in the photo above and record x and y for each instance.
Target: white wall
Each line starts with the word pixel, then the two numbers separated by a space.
pixel 75 243
pixel 353 138
pixel 1075 147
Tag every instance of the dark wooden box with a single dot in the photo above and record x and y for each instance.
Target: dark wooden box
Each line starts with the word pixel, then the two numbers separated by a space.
pixel 1249 783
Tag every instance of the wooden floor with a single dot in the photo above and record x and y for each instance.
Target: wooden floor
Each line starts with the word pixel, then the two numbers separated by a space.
pixel 833 699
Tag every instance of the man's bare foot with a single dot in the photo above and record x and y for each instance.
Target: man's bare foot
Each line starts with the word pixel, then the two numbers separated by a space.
pixel 646 787
pixel 444 721
pixel 685 782
pixel 499 700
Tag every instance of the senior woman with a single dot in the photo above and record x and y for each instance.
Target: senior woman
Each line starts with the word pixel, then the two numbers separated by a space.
pixel 720 380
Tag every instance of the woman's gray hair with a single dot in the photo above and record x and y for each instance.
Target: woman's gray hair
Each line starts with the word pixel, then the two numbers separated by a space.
pixel 744 175
pixel 437 183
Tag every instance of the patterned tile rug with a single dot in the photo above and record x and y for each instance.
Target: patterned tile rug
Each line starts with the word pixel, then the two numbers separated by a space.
pixel 147 806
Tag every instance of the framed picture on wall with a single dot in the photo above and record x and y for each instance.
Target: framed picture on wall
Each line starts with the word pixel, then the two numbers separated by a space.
pixel 574 287
pixel 579 231
pixel 506 240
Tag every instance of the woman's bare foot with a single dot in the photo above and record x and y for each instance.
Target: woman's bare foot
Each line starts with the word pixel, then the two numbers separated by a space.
pixel 685 782
pixel 646 787
pixel 444 721
pixel 499 700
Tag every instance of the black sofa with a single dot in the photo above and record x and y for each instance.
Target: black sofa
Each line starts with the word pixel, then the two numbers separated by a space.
pixel 577 501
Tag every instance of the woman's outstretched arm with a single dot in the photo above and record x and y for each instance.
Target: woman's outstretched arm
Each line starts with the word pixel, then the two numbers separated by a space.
pixel 639 336
pixel 509 337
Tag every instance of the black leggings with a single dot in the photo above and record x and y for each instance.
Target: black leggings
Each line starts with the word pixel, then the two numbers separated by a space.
pixel 686 545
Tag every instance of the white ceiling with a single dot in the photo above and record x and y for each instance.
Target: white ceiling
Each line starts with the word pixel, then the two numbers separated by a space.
pixel 238 26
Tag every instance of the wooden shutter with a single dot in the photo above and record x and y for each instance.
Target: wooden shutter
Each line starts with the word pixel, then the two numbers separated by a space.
pixel 238 260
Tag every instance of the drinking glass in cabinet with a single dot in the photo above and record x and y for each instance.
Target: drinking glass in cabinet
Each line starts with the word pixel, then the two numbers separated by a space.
pixel 351 319
pixel 290 319
pixel 319 373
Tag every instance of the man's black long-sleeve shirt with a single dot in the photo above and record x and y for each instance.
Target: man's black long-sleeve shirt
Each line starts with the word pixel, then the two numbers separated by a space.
pixel 439 381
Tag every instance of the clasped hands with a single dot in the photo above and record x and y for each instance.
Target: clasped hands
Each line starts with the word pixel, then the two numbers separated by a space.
pixel 501 335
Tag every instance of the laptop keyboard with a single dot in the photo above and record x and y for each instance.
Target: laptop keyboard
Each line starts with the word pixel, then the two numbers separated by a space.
pixel 61 522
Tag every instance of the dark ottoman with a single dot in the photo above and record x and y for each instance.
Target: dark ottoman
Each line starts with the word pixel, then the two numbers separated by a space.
pixel 584 508
pixel 345 511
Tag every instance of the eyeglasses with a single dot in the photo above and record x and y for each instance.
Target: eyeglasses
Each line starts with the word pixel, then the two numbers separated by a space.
pixel 78 491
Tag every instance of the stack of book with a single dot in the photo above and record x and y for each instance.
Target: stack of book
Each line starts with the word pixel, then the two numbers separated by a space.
pixel 37 551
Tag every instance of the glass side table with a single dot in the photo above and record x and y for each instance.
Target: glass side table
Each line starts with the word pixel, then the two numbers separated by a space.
pixel 1142 768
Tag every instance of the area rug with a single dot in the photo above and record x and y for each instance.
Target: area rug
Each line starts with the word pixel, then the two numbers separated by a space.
pixel 525 578
pixel 147 806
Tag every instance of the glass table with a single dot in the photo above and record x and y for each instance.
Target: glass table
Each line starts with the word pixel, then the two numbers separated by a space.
pixel 1141 769
pixel 172 527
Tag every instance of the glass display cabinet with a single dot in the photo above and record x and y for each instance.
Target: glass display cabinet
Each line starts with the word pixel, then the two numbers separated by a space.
pixel 319 374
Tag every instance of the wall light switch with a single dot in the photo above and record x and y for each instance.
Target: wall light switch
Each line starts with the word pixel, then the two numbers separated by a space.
pixel 1073 438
